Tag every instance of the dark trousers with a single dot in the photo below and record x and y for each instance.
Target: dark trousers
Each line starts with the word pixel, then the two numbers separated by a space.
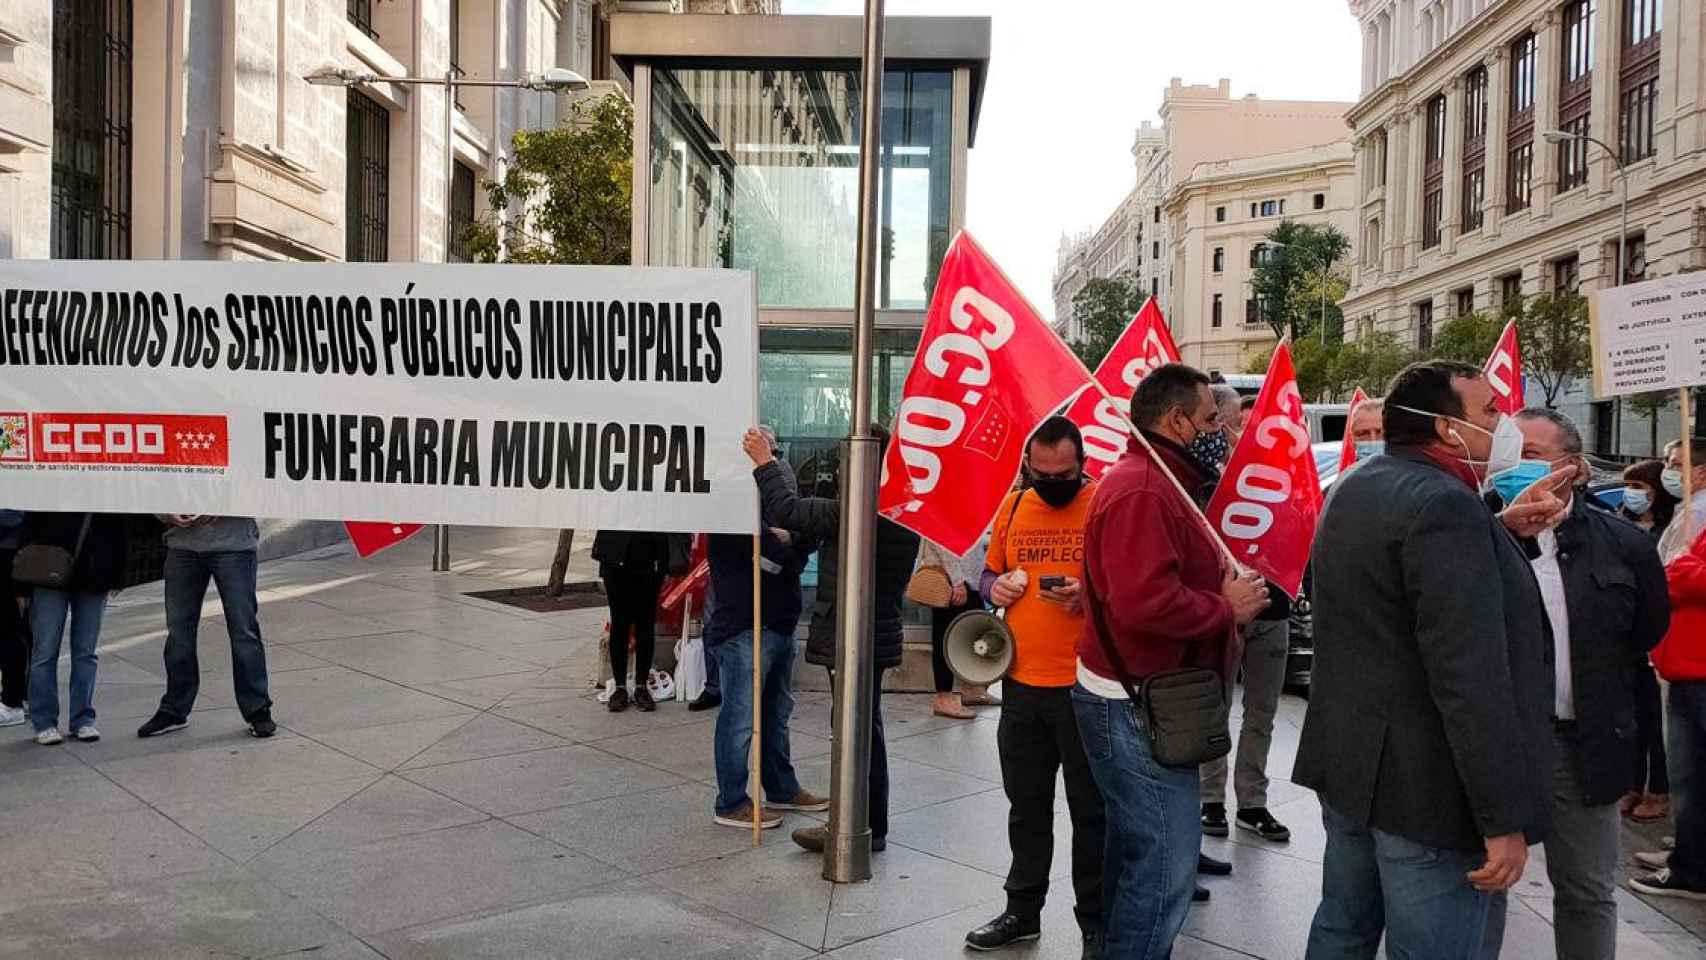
pixel 14 640
pixel 633 597
pixel 940 619
pixel 1037 736
pixel 1686 722
pixel 233 573
pixel 1651 774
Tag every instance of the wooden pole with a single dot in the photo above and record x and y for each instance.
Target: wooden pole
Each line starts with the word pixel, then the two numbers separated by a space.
pixel 1687 468
pixel 755 778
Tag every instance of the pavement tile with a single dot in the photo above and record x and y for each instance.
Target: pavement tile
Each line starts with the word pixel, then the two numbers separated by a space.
pixel 411 658
pixel 336 699
pixel 89 851
pixel 255 767
pixel 485 735
pixel 906 887
pixel 389 746
pixel 540 779
pixel 381 809
pixel 414 879
pixel 777 887
pixel 973 831
pixel 346 949
pixel 242 826
pixel 483 693
pixel 967 748
pixel 1264 909
pixel 578 716
pixel 223 726
pixel 911 785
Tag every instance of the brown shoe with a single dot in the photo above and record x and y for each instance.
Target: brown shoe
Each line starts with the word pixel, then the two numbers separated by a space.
pixel 741 818
pixel 949 705
pixel 1653 808
pixel 804 800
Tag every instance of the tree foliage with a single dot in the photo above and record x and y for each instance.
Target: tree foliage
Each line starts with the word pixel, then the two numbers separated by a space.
pixel 1103 309
pixel 567 195
pixel 1288 278
pixel 1330 372
pixel 1556 350
pixel 1467 338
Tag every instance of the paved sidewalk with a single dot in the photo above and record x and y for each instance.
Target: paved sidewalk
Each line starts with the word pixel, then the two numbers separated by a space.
pixel 444 785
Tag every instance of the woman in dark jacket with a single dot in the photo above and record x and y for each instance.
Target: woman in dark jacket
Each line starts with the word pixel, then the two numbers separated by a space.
pixel 97 543
pixel 633 566
pixel 897 553
pixel 1647 504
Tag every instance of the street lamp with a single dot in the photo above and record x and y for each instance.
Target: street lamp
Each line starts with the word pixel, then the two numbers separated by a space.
pixel 1326 273
pixel 1562 136
pixel 554 80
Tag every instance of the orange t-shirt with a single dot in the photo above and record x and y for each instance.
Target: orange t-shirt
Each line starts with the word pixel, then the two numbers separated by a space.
pixel 1043 542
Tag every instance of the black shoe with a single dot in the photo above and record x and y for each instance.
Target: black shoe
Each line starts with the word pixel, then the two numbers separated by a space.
pixel 1005 930
pixel 1214 820
pixel 618 700
pixel 159 724
pixel 1209 866
pixel 705 701
pixel 643 700
pixel 1260 822
pixel 1092 946
pixel 1663 884
pixel 814 839
pixel 1199 895
pixel 262 726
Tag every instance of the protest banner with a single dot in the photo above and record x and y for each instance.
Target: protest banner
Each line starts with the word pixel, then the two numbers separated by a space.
pixel 1101 415
pixel 1504 372
pixel 1348 446
pixel 496 395
pixel 988 370
pixel 1269 497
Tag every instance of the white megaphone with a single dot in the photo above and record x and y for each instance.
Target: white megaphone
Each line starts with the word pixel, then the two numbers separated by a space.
pixel 978 647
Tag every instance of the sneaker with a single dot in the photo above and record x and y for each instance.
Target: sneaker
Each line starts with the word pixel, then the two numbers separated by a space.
pixel 814 838
pixel 705 701
pixel 643 700
pixel 86 733
pixel 1214 820
pixel 1200 894
pixel 1260 822
pixel 49 737
pixel 12 716
pixel 741 818
pixel 804 800
pixel 1661 884
pixel 159 724
pixel 1209 866
pixel 618 700
pixel 262 727
pixel 1005 930
pixel 1656 860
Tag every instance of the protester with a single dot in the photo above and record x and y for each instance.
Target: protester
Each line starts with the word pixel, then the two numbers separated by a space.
pixel 1646 502
pixel 1266 643
pixel 1681 659
pixel 728 640
pixel 1606 604
pixel 1675 539
pixel 896 553
pixel 1232 412
pixel 14 647
pixel 1368 429
pixel 1158 596
pixel 965 573
pixel 1426 736
pixel 1033 572
pixel 633 566
pixel 221 549
pixel 96 545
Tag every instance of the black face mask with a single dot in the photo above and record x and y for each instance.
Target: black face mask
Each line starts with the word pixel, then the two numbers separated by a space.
pixel 1057 492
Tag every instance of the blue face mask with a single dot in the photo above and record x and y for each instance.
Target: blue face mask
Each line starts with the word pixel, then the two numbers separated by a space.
pixel 1370 448
pixel 1511 482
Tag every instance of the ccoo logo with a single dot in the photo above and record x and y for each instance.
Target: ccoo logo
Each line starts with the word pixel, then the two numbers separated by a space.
pixel 158 439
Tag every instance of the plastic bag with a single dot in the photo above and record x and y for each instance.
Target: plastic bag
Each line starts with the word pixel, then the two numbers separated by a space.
pixel 689 668
pixel 660 685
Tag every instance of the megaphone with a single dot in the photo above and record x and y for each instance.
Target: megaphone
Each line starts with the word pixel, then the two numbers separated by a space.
pixel 978 647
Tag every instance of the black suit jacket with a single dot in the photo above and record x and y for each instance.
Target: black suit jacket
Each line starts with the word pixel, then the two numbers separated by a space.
pixel 1431 697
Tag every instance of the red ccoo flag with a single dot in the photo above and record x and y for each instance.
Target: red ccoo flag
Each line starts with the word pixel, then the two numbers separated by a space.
pixel 370 538
pixel 1348 450
pixel 987 371
pixel 1269 498
pixel 1145 344
pixel 1504 371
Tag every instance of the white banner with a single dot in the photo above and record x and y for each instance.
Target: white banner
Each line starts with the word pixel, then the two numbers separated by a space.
pixel 1649 336
pixel 493 395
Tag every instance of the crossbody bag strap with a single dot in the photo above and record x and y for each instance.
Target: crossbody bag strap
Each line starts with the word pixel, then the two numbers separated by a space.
pixel 82 535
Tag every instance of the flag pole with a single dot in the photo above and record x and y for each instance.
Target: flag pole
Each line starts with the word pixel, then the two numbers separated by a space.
pixel 755 776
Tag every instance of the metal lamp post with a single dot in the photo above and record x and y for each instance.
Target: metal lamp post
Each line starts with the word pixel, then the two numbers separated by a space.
pixel 1564 136
pixel 556 80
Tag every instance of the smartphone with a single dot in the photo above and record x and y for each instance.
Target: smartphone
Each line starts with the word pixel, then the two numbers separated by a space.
pixel 1051 583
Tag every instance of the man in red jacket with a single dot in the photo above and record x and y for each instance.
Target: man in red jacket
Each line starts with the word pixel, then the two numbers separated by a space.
pixel 1159 597
pixel 1681 659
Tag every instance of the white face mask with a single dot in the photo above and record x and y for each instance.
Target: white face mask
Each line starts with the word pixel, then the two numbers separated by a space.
pixel 1506 451
pixel 1637 502
pixel 1672 480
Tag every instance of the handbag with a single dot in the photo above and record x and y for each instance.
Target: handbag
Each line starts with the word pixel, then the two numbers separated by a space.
pixel 1185 711
pixel 47 565
pixel 930 586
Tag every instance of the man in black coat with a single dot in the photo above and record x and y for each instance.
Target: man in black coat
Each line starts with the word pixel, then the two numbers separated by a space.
pixel 1607 605
pixel 1428 733
pixel 897 551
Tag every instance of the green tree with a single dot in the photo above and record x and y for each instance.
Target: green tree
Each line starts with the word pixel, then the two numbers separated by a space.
pixel 567 196
pixel 1330 372
pixel 1102 309
pixel 1553 331
pixel 1289 272
pixel 1467 338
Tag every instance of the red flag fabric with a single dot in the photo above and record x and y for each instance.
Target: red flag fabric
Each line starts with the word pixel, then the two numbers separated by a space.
pixel 1504 371
pixel 370 538
pixel 987 371
pixel 1269 498
pixel 1102 421
pixel 1145 344
pixel 1348 450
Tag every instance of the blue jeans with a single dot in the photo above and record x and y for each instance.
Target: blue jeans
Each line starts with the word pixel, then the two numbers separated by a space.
pixel 733 738
pixel 1374 882
pixel 233 572
pixel 1685 723
pixel 49 609
pixel 1154 828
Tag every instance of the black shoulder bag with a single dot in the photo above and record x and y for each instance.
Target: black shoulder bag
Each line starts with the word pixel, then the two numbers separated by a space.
pixel 1185 710
pixel 46 565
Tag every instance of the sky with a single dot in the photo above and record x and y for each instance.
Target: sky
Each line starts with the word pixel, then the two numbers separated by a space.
pixel 1070 80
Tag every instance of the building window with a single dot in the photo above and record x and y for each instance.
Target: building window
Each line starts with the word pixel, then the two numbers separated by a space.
pixel 1272 208
pixel 1566 274
pixel 1252 312
pixel 1474 148
pixel 1519 129
pixel 1155 286
pixel 367 183
pixel 1155 249
pixel 1638 81
pixel 1219 214
pixel 1433 173
pixel 1219 259
pixel 1371 242
pixel 455 38
pixel 90 213
pixel 1464 301
pixel 1575 93
pixel 361 14
pixel 1510 290
pixel 1320 201
pixel 1380 157
pixel 1157 214
pixel 1253 211
pixel 1424 325
pixel 1215 317
pixel 1635 259
pixel 1258 254
pixel 461 212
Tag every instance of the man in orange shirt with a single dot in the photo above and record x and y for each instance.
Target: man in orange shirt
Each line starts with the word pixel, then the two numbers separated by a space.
pixel 1036 555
